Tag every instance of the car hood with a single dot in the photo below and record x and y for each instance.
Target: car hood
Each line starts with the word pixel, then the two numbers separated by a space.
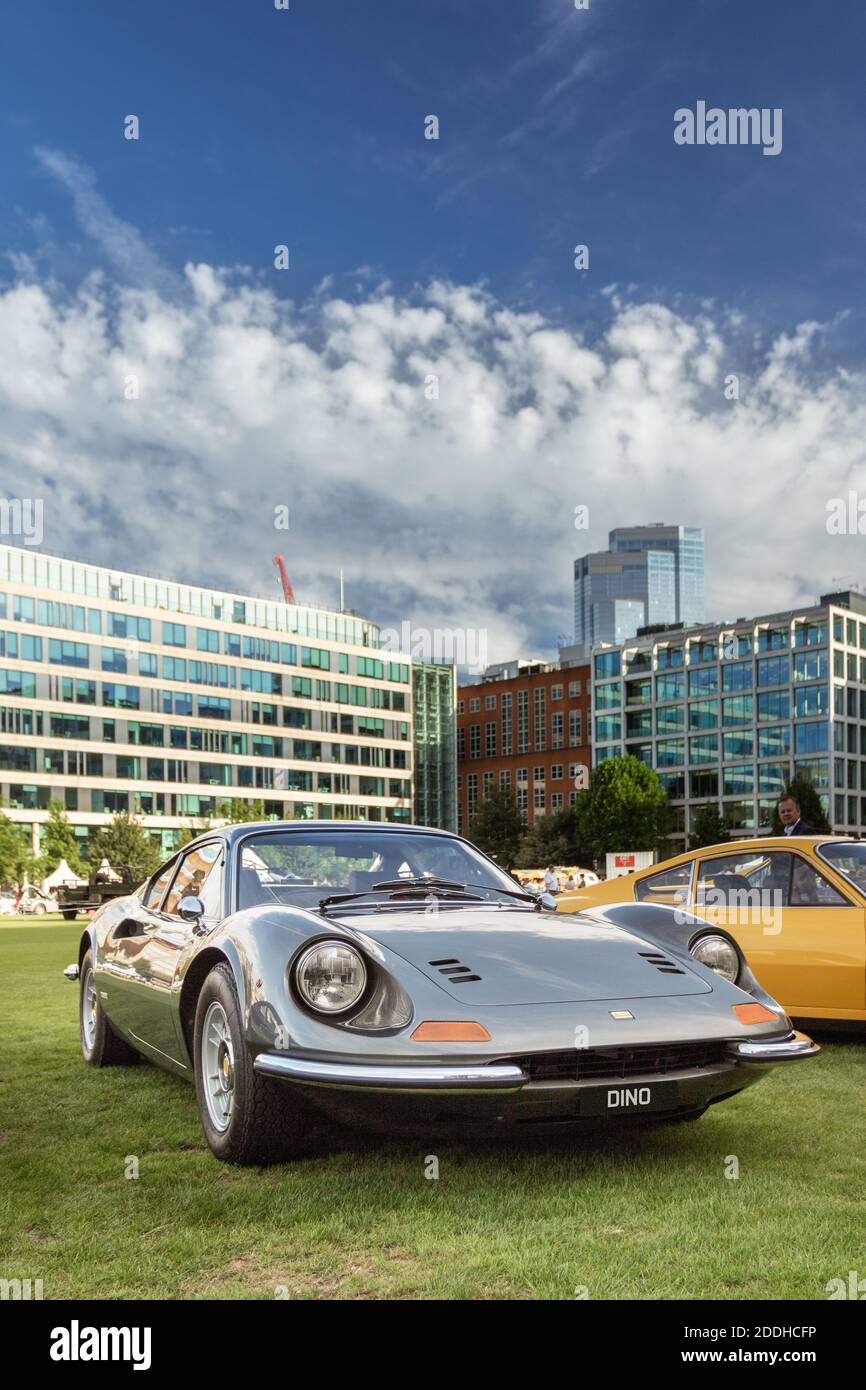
pixel 524 958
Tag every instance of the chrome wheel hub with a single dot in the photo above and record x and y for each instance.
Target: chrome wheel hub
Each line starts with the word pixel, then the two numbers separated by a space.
pixel 218 1066
pixel 88 1010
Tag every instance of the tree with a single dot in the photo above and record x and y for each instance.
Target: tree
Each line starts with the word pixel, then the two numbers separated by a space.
pixel 58 842
pixel 709 827
pixel 126 845
pixel 553 839
pixel 191 832
pixel 802 789
pixel 497 827
pixel 16 853
pixel 237 811
pixel 624 807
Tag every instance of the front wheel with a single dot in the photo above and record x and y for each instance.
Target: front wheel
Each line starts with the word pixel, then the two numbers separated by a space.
pixel 246 1118
pixel 102 1047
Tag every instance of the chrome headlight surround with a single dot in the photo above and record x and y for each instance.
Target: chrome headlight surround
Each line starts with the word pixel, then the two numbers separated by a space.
pixel 719 953
pixel 335 966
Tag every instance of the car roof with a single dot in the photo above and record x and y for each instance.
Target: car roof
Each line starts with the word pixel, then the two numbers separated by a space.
pixel 232 833
pixel 754 846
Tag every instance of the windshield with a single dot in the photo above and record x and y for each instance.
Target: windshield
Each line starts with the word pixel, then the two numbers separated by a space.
pixel 849 858
pixel 302 867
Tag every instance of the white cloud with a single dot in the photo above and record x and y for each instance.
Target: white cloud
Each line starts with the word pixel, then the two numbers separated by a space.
pixel 121 242
pixel 456 511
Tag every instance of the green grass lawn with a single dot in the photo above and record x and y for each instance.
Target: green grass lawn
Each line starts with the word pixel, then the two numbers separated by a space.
pixel 648 1215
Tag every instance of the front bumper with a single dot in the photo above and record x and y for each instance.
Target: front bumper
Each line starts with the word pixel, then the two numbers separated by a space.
pixel 502 1091
pixel 790 1049
pixel 360 1076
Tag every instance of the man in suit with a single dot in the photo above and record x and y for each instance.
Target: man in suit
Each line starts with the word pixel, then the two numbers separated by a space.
pixel 789 815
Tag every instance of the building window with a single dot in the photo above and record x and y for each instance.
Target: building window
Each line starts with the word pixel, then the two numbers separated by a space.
pixel 540 720
pixel 574 688
pixel 475 740
pixel 538 774
pixel 557 731
pixel 556 772
pixel 461 744
pixel 575 729
pixel 556 801
pixel 490 702
pixel 474 705
pixel 460 705
pixel 556 692
pixel 506 708
pixel 490 739
pixel 523 721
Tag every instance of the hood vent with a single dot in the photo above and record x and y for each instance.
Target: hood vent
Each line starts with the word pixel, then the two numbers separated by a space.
pixel 661 963
pixel 457 974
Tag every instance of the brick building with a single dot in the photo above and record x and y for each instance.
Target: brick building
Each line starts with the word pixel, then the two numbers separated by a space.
pixel 525 725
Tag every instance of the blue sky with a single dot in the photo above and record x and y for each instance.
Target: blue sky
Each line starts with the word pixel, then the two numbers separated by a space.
pixel 305 127
pixel 556 128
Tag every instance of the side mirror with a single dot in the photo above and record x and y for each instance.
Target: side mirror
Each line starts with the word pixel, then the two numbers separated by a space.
pixel 191 910
pixel 548 902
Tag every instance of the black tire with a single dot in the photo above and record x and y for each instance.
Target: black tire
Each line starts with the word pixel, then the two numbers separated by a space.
pixel 69 914
pixel 268 1122
pixel 101 1046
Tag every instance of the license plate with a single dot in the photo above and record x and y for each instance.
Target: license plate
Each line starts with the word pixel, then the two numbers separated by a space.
pixel 624 1101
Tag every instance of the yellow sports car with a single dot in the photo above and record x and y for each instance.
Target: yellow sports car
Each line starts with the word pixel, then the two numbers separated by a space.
pixel 796 904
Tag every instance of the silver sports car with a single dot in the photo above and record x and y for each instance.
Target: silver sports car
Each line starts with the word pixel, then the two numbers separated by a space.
pixel 395 977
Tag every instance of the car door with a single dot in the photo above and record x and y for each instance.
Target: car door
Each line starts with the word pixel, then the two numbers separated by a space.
pixel 122 958
pixel 802 935
pixel 148 947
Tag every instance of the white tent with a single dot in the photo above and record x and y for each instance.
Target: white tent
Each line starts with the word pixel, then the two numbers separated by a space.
pixel 62 875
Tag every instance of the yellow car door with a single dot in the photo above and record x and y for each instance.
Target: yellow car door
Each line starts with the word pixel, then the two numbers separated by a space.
pixel 802 935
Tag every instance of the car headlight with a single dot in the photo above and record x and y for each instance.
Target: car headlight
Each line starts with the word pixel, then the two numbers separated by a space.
pixel 718 953
pixel 331 977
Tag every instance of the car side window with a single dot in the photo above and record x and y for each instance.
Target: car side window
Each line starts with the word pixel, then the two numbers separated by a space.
pixel 751 878
pixel 199 876
pixel 811 889
pixel 669 887
pixel 159 885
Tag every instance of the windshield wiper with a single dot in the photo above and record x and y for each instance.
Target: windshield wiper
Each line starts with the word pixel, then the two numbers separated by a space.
pixel 435 887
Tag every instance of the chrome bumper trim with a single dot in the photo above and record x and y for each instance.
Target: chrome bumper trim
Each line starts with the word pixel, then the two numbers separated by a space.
pixel 787 1050
pixel 391 1078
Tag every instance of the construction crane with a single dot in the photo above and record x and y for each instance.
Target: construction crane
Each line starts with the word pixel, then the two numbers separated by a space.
pixel 288 591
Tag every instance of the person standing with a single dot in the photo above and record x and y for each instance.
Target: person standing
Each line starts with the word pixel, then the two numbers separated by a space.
pixel 789 815
pixel 551 882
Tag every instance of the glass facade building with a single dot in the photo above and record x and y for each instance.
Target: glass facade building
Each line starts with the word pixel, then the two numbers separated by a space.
pixel 728 714
pixel 434 702
pixel 649 575
pixel 123 693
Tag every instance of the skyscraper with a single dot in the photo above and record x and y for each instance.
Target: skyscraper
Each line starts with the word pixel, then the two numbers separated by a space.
pixel 649 574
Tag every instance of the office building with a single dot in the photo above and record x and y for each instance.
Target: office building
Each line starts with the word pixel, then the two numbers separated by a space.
pixel 728 713
pixel 524 725
pixel 649 575
pixel 120 692
pixel 434 706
